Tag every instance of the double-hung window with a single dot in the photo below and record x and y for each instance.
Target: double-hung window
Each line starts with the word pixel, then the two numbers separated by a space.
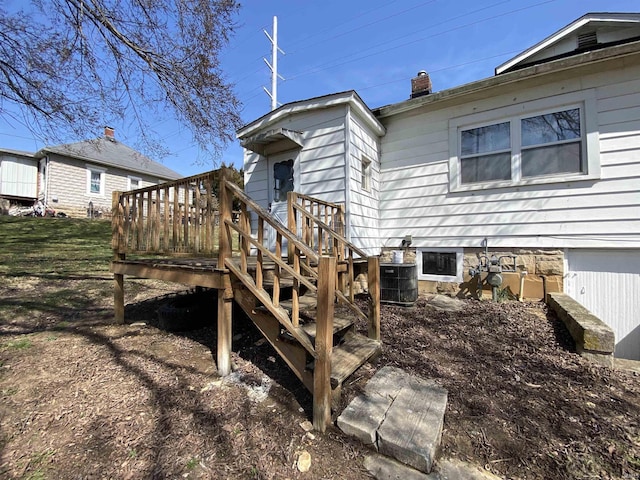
pixel 526 144
pixel 95 181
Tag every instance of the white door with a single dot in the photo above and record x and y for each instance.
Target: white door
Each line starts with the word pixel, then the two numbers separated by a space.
pixel 607 283
pixel 282 175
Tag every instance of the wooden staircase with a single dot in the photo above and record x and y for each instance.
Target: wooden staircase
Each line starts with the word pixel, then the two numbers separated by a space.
pixel 291 296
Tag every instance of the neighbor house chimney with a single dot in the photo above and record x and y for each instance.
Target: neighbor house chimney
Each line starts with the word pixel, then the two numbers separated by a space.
pixel 109 132
pixel 420 84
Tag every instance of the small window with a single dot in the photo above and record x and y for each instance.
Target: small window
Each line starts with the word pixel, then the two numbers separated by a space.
pixel 366 174
pixel 135 183
pixel 95 181
pixel 440 265
pixel 283 180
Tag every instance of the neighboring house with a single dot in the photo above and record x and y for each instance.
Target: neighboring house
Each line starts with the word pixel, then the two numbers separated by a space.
pixel 18 177
pixel 75 176
pixel 541 161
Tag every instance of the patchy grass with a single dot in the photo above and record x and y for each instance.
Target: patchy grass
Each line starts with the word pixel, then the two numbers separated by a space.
pixel 54 247
pixel 20 344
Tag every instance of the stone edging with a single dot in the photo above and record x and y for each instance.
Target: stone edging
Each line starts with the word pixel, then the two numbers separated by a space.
pixel 594 339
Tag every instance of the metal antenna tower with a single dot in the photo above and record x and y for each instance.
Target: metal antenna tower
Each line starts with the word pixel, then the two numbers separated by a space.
pixel 273 66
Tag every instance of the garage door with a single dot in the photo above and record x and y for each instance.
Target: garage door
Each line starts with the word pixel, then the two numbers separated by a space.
pixel 607 282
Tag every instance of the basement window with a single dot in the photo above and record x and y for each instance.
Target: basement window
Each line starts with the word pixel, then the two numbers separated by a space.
pixel 439 265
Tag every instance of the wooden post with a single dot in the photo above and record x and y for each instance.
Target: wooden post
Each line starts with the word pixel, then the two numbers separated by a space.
pixel 226 205
pixel 292 199
pixel 373 279
pixel 225 313
pixel 225 295
pixel 324 343
pixel 117 232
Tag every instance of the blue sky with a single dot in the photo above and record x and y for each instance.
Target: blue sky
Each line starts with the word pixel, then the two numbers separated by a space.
pixel 371 46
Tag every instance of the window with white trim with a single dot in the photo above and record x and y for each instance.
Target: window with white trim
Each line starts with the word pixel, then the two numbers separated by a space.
pixel 440 264
pixel 134 183
pixel 95 181
pixel 527 144
pixel 365 180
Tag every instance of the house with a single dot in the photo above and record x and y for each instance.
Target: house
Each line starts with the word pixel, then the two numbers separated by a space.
pixel 540 161
pixel 76 176
pixel 18 177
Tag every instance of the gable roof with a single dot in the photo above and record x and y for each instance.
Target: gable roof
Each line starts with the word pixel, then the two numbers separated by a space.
pixel 589 32
pixel 349 97
pixel 110 152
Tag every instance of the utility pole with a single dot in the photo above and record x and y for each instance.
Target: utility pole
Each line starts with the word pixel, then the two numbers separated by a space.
pixel 273 66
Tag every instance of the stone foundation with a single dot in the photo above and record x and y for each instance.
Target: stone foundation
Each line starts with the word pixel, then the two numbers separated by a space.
pixel 544 267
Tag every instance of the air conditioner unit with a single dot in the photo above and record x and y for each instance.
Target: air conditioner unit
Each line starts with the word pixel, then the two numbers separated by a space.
pixel 398 283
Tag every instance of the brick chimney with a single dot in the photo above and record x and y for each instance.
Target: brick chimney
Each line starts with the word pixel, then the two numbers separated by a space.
pixel 109 132
pixel 420 84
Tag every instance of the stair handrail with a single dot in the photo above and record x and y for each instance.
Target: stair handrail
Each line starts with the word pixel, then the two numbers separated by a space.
pixel 271 302
pixel 344 249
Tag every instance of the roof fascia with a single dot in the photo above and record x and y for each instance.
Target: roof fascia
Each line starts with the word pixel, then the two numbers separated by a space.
pixel 595 56
pixel 554 38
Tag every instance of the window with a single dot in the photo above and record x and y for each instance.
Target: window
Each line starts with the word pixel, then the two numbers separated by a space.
pixel 542 145
pixel 95 181
pixel 135 183
pixel 365 181
pixel 283 180
pixel 437 264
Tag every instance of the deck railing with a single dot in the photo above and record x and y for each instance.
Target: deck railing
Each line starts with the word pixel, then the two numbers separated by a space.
pixel 173 218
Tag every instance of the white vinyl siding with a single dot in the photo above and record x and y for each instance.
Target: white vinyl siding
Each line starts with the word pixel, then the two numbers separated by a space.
pixel 582 211
pixel 362 208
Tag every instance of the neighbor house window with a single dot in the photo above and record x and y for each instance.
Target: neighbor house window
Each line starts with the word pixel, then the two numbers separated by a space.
pixel 438 264
pixel 95 181
pixel 135 183
pixel 526 143
pixel 366 174
pixel 283 180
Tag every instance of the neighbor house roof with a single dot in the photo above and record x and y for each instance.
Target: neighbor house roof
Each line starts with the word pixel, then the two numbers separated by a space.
pixel 589 32
pixel 110 152
pixel 21 153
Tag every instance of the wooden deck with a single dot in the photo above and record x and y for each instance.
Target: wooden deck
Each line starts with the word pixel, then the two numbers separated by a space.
pixel 172 232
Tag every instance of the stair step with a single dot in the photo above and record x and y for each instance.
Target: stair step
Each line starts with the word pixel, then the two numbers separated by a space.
pixel 350 355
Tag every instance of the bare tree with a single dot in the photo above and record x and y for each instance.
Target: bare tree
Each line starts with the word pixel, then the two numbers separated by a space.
pixel 74 65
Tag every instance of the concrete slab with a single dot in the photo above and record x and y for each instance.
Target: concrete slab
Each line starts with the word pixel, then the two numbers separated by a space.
pixel 412 428
pixel 399 415
pixel 363 416
pixel 452 469
pixel 385 468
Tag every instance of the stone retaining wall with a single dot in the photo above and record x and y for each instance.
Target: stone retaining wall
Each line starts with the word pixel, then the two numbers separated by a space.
pixel 594 339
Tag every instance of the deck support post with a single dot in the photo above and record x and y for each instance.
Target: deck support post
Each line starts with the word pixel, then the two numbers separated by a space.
pixel 225 295
pixel 118 298
pixel 324 343
pixel 117 240
pixel 225 313
pixel 373 280
pixel 292 223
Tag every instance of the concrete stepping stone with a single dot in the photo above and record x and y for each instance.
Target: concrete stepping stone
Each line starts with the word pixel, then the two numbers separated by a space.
pixel 400 415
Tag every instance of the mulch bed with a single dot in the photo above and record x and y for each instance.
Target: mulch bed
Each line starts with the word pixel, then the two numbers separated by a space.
pixel 80 398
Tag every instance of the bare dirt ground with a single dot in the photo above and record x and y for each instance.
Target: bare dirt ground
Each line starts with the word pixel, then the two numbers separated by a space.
pixel 81 398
